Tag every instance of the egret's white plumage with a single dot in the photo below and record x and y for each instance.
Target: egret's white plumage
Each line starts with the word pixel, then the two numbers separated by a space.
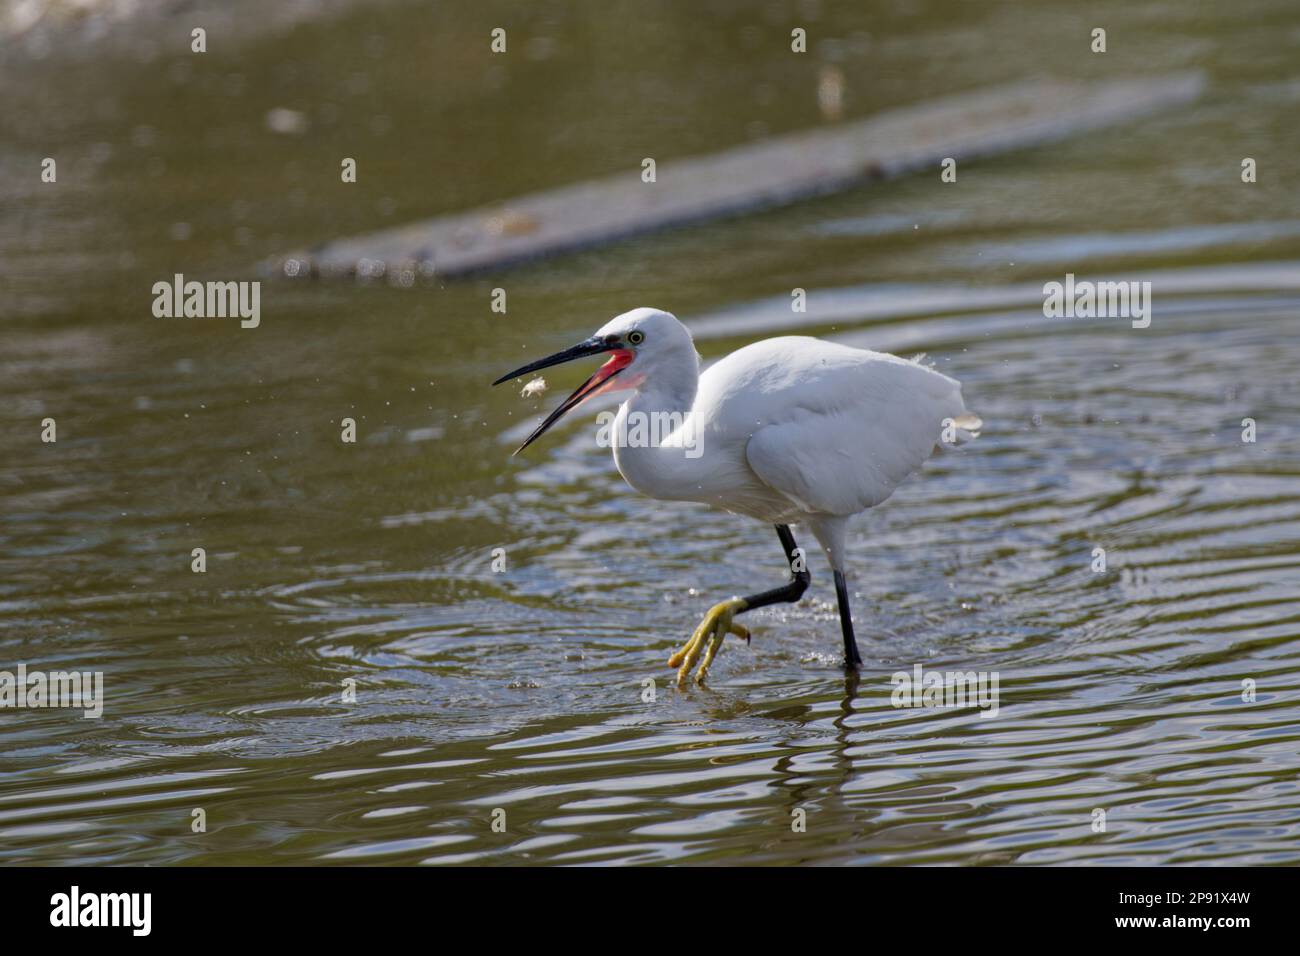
pixel 789 430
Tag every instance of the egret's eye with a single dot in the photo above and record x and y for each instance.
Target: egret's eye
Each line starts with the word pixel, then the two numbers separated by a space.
pixel 636 337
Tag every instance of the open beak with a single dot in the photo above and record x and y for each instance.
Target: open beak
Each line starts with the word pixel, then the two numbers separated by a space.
pixel 593 346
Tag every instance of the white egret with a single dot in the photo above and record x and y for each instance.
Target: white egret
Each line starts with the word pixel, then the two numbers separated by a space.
pixel 787 430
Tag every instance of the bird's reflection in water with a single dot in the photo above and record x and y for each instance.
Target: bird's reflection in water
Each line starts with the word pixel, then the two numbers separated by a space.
pixel 810 794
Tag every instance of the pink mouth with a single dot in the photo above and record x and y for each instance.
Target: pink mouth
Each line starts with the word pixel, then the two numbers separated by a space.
pixel 619 359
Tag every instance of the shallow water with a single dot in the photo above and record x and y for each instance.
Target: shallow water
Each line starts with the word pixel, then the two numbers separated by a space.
pixel 523 691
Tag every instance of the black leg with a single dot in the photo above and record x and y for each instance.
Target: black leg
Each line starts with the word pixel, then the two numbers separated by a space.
pixel 792 591
pixel 851 656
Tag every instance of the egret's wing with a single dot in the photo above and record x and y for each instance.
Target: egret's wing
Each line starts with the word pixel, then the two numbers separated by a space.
pixel 845 445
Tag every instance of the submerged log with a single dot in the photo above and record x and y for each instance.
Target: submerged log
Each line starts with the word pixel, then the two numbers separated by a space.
pixel 754 176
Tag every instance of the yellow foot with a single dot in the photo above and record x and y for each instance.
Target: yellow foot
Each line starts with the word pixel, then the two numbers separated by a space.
pixel 717 624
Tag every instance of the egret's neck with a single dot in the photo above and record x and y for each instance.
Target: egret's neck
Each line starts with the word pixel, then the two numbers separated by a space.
pixel 669 386
pixel 658 447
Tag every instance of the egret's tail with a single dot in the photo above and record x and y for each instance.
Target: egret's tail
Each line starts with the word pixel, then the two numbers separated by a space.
pixel 968 426
pixel 963 428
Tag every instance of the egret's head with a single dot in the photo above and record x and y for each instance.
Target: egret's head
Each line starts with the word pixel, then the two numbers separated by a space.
pixel 654 337
pixel 641 342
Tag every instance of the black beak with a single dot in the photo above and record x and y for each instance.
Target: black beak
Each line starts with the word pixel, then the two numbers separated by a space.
pixel 592 346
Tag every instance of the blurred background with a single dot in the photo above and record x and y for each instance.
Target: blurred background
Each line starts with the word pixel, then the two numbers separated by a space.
pixel 523 690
